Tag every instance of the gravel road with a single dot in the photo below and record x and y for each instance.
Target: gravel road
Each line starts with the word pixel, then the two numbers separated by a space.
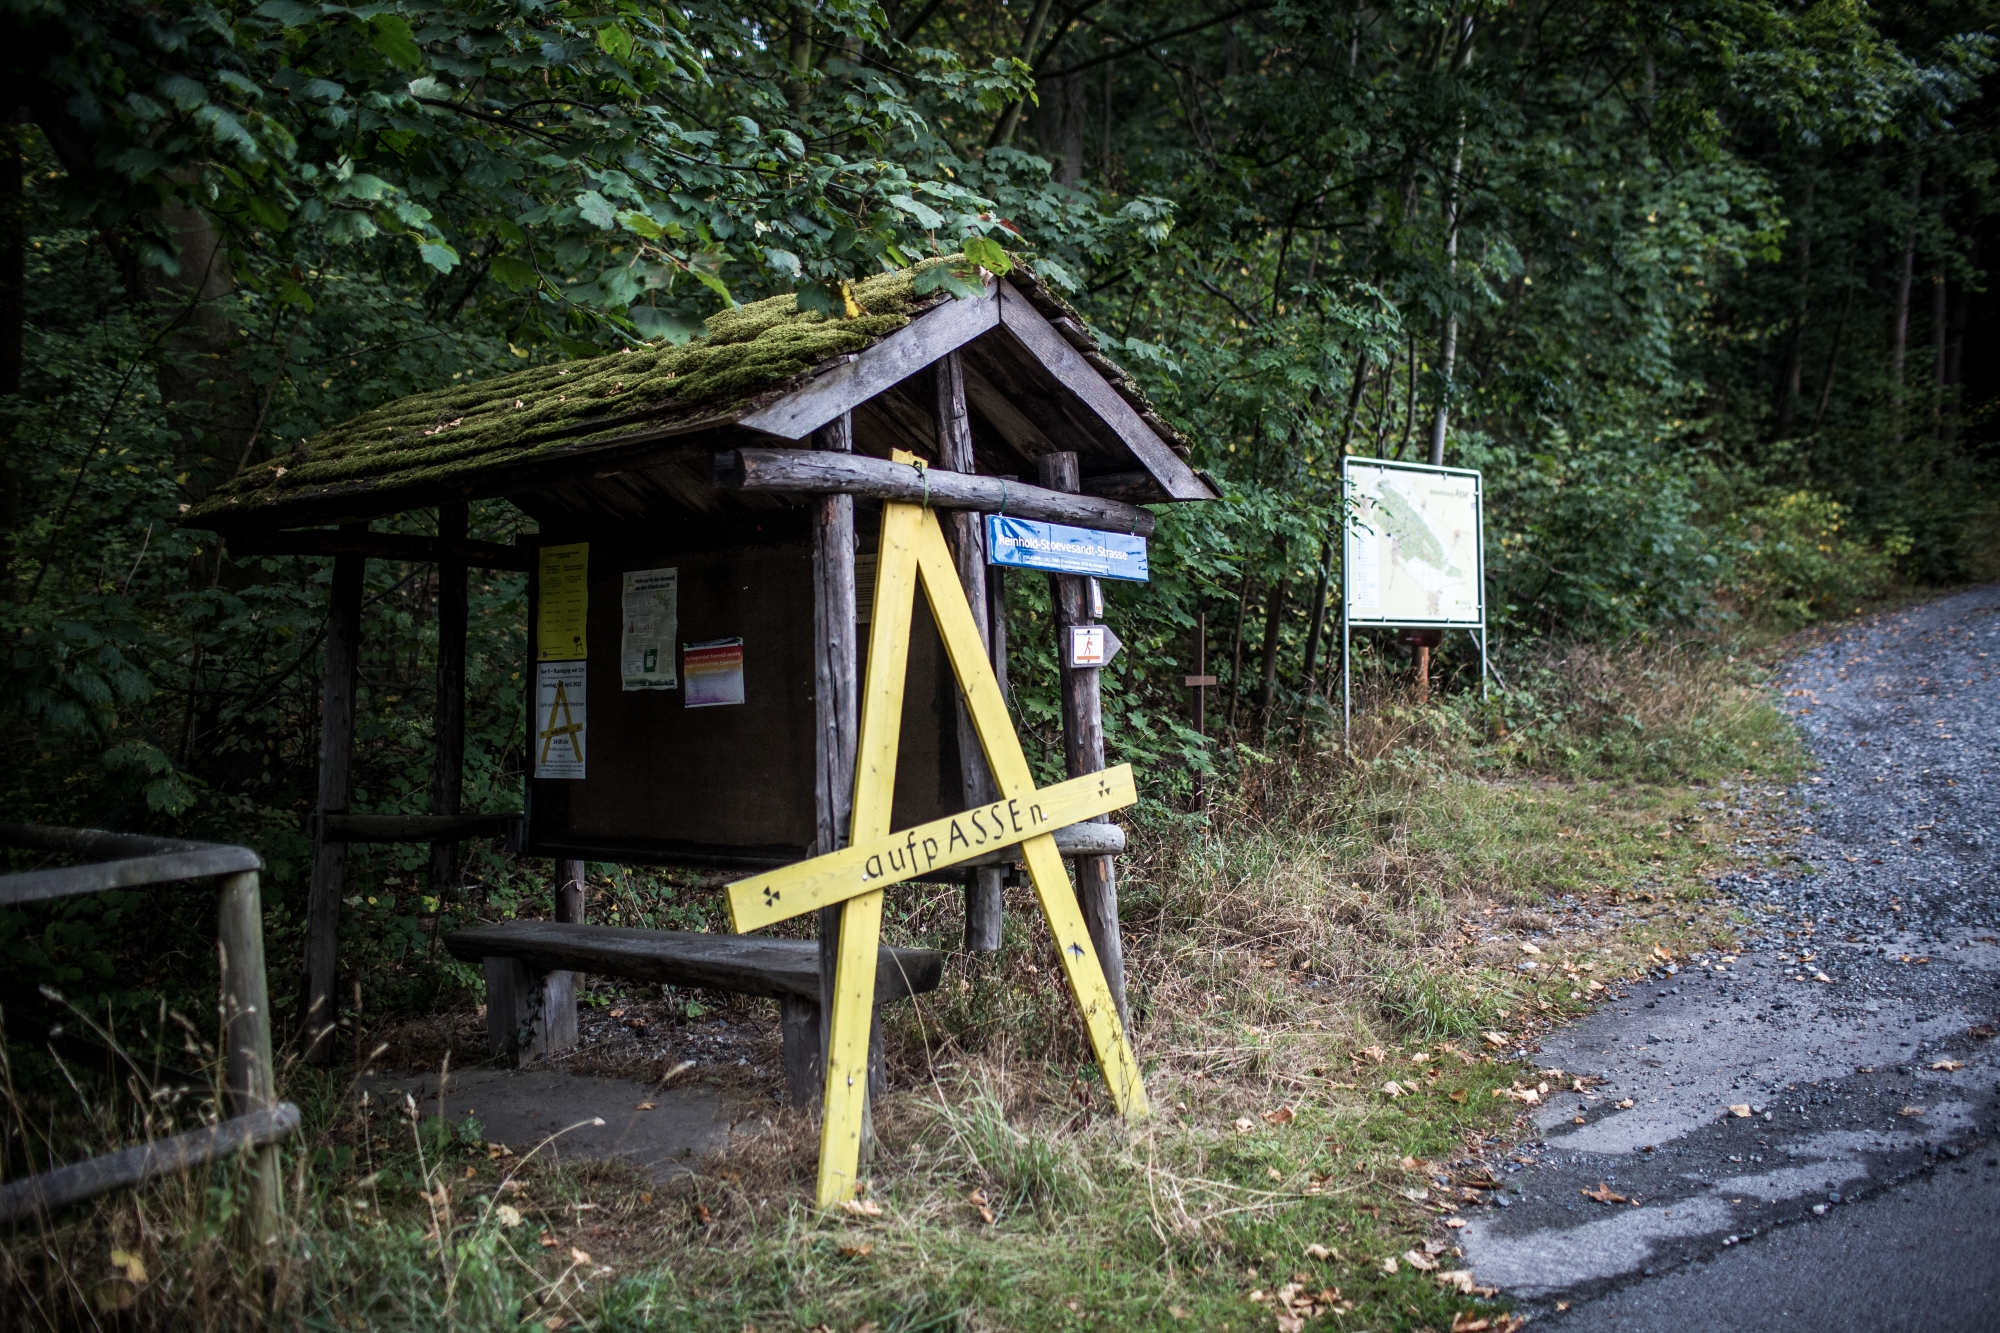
pixel 1856 1184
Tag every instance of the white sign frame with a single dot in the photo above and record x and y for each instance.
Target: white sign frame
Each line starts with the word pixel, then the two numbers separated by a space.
pixel 1349 528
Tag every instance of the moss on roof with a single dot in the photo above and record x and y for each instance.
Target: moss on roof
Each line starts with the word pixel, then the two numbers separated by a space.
pixel 430 437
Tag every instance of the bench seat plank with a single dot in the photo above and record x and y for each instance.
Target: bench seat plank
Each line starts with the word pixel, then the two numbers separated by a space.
pixel 743 964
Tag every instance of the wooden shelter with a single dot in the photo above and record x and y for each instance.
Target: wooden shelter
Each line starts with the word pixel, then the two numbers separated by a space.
pixel 729 471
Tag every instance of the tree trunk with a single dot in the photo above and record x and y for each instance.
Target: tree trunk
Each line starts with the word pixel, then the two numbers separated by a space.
pixel 1274 624
pixel 1448 354
pixel 448 714
pixel 1899 332
pixel 1788 380
pixel 13 318
pixel 1939 315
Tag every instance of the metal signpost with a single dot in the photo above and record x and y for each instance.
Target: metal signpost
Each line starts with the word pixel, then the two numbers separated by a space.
pixel 1413 555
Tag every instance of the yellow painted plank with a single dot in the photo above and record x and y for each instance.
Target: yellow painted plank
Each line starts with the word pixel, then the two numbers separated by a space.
pixel 1086 978
pixel 779 895
pixel 847 1049
pixel 846 1100
pixel 1012 778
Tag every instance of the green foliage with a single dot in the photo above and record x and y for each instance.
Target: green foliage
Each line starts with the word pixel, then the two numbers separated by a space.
pixel 1665 246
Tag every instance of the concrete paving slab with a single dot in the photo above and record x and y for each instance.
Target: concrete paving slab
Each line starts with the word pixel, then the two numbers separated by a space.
pixel 567 1116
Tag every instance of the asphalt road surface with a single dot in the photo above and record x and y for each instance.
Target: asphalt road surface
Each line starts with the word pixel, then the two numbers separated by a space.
pixel 1856 1028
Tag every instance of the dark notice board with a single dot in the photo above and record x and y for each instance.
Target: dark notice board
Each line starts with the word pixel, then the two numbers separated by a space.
pixel 726 787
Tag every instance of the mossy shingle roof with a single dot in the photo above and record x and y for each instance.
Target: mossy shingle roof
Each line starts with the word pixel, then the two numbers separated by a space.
pixel 429 441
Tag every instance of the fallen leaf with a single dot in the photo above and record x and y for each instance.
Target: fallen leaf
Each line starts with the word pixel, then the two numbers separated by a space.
pixel 861 1251
pixel 1417 1196
pixel 1604 1194
pixel 1177 1312
pixel 1454 1222
pixel 130 1265
pixel 1626 1105
pixel 1375 1053
pixel 1494 1039
pixel 1318 1251
pixel 1529 948
pixel 1460 1095
pixel 1244 1124
pixel 1420 1261
pixel 1284 1115
pixel 862 1208
pixel 1389 1264
pixel 647 1106
pixel 549 1242
pixel 1392 1088
pixel 1741 1110
pixel 1576 1120
pixel 1911 1110
pixel 701 1212
pixel 509 1215
pixel 579 1256
pixel 1949 1066
pixel 498 1150
pixel 1290 1323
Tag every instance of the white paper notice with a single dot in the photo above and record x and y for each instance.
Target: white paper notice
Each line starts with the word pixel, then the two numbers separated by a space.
pixel 652 623
pixel 1367 586
pixel 560 734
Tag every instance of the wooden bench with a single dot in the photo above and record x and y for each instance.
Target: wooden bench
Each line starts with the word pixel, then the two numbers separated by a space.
pixel 531 966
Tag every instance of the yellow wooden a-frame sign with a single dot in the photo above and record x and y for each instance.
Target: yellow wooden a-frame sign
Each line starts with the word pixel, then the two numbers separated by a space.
pixel 912 548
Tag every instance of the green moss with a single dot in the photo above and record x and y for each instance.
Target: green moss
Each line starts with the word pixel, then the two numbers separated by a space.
pixel 456 432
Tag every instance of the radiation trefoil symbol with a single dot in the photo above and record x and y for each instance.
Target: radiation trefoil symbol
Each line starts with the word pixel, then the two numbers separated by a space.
pixel 913 549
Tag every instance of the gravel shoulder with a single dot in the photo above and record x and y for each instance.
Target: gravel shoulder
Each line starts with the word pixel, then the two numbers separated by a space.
pixel 1774 1127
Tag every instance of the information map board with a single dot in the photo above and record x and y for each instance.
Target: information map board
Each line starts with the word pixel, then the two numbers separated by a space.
pixel 1412 554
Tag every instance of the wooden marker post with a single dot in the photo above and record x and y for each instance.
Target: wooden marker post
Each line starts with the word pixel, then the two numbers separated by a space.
pixel 1083 746
pixel 1199 683
pixel 913 549
pixel 336 766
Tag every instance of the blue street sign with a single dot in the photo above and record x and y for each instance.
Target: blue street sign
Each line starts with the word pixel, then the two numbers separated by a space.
pixel 1023 543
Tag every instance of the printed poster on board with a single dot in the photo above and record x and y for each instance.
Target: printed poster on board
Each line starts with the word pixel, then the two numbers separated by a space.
pixel 561 720
pixel 714 673
pixel 562 602
pixel 652 624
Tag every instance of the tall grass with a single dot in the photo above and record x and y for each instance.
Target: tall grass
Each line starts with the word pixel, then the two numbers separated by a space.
pixel 1308 936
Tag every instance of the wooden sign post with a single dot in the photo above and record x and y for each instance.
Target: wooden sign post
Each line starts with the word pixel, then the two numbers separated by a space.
pixel 913 549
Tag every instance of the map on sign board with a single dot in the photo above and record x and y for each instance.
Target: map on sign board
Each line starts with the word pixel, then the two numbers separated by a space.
pixel 1412 554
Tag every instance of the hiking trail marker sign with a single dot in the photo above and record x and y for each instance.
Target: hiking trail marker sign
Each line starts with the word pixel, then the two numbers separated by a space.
pixel 913 550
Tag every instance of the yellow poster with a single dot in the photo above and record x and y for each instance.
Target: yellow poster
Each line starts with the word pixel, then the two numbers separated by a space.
pixel 563 607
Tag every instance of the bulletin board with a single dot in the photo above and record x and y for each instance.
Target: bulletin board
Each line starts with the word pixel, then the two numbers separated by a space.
pixel 672 770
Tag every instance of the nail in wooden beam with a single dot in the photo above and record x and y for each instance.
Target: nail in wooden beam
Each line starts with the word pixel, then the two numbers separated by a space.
pixel 1083 748
pixel 336 759
pixel 983 892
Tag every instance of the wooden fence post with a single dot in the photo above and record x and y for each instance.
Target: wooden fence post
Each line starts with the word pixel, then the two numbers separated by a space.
pixel 1083 749
pixel 448 716
pixel 246 1035
pixel 984 896
pixel 336 757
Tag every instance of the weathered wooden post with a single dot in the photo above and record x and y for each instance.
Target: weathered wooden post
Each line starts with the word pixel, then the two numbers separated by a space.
pixel 448 715
pixel 836 726
pixel 246 1035
pixel 1199 683
pixel 336 759
pixel 1083 746
pixel 983 893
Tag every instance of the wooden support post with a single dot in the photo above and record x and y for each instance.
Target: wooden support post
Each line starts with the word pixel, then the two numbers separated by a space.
pixel 448 715
pixel 984 895
pixel 1083 750
pixel 556 1014
pixel 336 758
pixel 836 716
pixel 246 1035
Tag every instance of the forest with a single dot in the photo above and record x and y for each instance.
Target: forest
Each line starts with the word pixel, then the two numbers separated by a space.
pixel 1699 286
